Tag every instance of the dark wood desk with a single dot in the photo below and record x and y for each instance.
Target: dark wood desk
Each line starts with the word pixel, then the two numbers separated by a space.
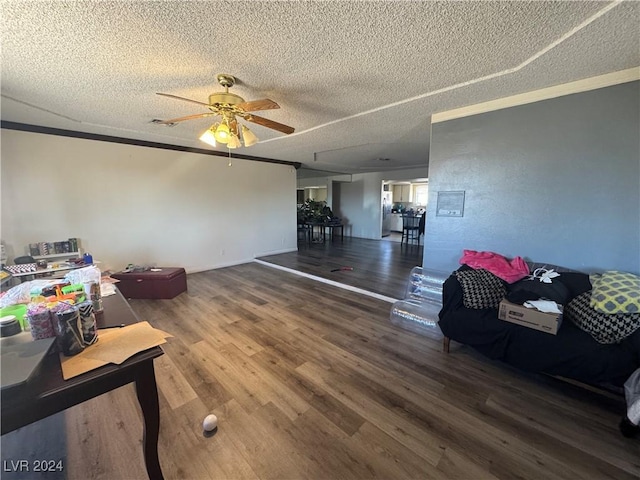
pixel 48 393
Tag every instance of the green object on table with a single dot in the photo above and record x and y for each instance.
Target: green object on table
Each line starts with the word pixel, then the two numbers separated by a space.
pixel 77 288
pixel 19 311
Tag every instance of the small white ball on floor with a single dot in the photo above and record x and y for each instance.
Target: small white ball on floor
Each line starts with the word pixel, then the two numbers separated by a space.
pixel 210 423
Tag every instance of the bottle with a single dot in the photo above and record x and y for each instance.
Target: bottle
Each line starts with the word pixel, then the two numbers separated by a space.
pixel 88 259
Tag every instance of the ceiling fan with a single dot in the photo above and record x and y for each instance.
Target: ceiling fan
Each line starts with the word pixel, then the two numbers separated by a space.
pixel 229 107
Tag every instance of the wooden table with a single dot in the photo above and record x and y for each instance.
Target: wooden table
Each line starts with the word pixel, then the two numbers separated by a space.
pixel 48 393
pixel 316 232
pixel 333 226
pixel 320 229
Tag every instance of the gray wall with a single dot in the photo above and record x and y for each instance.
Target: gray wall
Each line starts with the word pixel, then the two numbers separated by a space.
pixel 554 181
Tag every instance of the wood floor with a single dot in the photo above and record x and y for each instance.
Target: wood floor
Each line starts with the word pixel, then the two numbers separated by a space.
pixel 311 381
pixel 379 266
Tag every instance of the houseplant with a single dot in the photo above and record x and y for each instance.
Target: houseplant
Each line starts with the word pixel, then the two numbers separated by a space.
pixel 312 211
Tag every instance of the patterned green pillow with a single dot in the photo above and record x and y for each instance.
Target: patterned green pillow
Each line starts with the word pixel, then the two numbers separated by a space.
pixel 615 292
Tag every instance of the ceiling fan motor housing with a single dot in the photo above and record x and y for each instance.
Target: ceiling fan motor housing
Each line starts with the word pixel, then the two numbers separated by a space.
pixel 225 97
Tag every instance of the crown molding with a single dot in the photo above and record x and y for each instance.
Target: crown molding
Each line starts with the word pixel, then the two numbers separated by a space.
pixel 25 127
pixel 593 83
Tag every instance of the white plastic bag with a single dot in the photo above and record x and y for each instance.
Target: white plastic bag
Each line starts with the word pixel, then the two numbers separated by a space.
pixel 90 274
pixel 632 394
pixel 22 293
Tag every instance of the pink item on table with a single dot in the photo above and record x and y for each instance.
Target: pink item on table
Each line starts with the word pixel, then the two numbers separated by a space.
pixel 509 271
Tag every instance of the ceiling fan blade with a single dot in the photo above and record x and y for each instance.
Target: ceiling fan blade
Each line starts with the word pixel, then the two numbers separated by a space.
pixel 265 122
pixel 182 98
pixel 188 117
pixel 264 104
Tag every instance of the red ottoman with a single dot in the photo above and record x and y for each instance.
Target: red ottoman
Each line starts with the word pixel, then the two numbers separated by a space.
pixel 166 282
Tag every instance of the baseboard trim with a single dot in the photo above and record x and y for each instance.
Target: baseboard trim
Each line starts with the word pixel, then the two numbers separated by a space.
pixel 206 268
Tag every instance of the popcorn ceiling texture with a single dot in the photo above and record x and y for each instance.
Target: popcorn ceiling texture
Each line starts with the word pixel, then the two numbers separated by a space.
pixel 358 80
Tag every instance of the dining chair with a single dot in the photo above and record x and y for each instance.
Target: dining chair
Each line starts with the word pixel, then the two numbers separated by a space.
pixel 410 229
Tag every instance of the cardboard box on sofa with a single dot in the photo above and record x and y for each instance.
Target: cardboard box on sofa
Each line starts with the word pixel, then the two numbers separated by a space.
pixel 530 317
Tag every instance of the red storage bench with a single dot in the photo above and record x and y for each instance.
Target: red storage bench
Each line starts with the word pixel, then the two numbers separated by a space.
pixel 161 282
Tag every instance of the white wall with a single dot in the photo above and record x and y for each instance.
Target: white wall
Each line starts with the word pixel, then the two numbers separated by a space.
pixel 318 194
pixel 324 181
pixel 360 200
pixel 141 205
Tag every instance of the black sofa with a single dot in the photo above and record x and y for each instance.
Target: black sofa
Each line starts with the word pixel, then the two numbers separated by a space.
pixel 571 353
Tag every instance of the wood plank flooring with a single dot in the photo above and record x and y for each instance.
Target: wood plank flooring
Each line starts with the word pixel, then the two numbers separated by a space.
pixel 379 266
pixel 310 381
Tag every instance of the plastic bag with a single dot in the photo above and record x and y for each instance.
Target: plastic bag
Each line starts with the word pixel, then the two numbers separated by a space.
pixel 632 394
pixel 90 274
pixel 630 423
pixel 22 293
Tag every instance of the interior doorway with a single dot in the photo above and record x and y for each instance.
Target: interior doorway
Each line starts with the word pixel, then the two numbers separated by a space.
pixel 400 197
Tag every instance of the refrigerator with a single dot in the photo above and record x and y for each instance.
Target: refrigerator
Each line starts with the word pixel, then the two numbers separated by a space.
pixel 386 204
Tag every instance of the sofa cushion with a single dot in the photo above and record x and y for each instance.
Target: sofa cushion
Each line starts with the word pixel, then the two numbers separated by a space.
pixel 480 288
pixel 616 292
pixel 603 327
pixel 576 283
pixel 533 289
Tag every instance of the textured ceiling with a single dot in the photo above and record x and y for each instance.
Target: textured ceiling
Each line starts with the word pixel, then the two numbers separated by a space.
pixel 358 80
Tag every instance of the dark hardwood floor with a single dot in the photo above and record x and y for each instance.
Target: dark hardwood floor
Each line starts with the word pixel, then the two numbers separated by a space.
pixel 379 266
pixel 312 381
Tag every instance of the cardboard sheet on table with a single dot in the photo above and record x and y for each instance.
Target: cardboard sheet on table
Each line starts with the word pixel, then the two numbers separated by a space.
pixel 114 345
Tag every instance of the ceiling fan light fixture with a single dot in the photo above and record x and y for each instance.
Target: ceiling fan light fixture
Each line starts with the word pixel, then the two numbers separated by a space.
pixel 209 136
pixel 222 133
pixel 228 107
pixel 248 136
pixel 234 141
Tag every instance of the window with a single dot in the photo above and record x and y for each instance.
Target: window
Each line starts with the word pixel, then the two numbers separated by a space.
pixel 420 194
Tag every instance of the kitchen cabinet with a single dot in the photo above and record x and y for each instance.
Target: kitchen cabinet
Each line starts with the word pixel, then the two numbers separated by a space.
pixel 401 193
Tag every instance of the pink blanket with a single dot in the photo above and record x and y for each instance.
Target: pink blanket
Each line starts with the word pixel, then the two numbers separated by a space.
pixel 509 271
